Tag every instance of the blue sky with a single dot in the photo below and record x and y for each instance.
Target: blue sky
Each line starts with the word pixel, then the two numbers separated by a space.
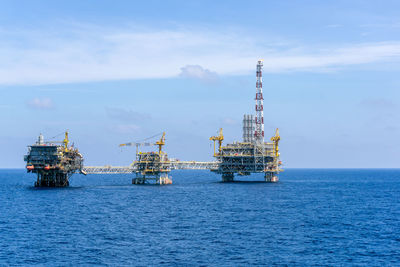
pixel 120 71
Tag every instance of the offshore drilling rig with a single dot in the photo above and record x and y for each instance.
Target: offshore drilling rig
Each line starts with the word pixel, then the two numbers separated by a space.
pixel 151 166
pixel 253 155
pixel 53 162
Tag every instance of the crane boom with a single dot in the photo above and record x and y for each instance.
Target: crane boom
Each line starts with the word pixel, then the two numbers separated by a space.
pixel 218 138
pixel 159 143
pixel 65 142
pixel 136 144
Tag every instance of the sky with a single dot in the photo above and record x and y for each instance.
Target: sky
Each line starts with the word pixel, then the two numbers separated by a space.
pixel 113 72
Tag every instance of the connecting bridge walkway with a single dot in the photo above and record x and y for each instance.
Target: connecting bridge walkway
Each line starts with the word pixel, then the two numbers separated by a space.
pixel 175 165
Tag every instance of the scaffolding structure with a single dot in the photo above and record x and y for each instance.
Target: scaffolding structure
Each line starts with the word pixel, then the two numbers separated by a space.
pixel 150 166
pixel 245 158
pixel 249 127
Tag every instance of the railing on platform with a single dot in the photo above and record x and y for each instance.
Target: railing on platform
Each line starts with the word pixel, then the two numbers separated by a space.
pixel 193 165
pixel 108 169
pixel 175 165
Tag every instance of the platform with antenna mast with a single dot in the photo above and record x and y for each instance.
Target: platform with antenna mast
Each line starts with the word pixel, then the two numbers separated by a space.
pixel 253 154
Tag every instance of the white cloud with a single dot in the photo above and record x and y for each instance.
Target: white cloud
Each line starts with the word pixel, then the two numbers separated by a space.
pixel 334 26
pixel 378 103
pixel 88 53
pixel 198 72
pixel 127 128
pixel 229 121
pixel 126 115
pixel 40 103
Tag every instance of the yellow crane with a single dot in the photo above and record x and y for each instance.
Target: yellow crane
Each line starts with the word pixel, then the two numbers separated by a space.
pixel 276 139
pixel 65 142
pixel 218 138
pixel 160 143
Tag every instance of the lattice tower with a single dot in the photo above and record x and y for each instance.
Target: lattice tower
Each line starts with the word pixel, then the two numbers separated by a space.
pixel 259 120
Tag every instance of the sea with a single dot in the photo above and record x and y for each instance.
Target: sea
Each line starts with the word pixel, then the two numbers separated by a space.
pixel 311 217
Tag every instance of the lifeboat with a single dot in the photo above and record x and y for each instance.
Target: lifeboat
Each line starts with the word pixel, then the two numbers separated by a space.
pixel 30 167
pixel 167 181
pixel 47 167
pixel 274 179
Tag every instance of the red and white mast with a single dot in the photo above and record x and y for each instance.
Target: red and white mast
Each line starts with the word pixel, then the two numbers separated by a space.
pixel 259 131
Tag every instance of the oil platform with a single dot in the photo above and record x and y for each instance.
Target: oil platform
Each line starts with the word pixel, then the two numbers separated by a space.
pixel 54 162
pixel 253 155
pixel 151 166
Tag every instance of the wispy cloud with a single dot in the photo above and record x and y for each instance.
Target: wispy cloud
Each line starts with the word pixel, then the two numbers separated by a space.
pixel 338 57
pixel 198 72
pixel 381 25
pixel 126 115
pixel 378 104
pixel 229 121
pixel 127 128
pixel 40 103
pixel 88 53
pixel 334 26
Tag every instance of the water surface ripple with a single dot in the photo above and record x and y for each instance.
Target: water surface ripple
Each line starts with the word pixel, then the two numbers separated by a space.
pixel 311 217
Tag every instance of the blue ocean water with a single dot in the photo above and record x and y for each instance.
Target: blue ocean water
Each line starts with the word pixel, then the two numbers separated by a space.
pixel 311 217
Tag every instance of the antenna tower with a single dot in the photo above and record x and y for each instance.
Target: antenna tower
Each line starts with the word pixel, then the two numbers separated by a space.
pixel 259 132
